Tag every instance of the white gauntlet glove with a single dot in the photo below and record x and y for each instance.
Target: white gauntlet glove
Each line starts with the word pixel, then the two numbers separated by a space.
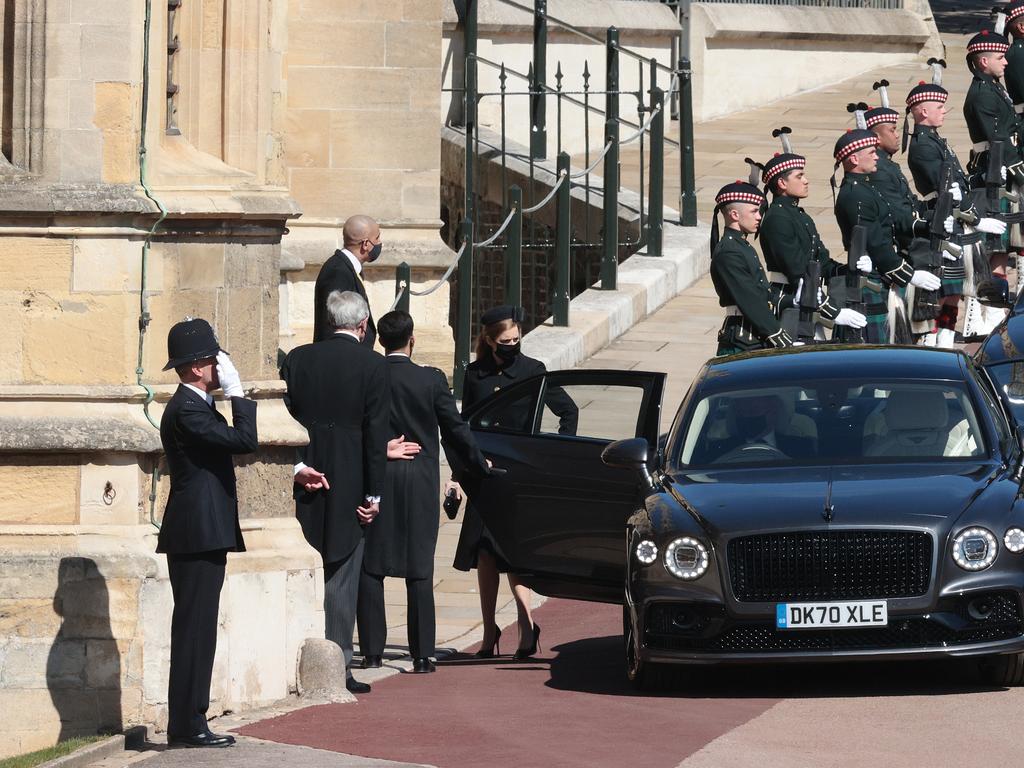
pixel 956 192
pixel 991 226
pixel 228 376
pixel 947 225
pixel 1002 173
pixel 850 318
pixel 926 281
pixel 865 265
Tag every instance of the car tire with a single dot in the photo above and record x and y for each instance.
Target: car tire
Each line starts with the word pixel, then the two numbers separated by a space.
pixel 643 675
pixel 1006 669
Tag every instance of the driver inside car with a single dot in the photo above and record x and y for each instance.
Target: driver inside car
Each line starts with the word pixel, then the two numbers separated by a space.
pixel 756 434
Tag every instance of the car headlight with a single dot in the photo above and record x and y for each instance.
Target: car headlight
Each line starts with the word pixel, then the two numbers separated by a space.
pixel 1014 540
pixel 975 549
pixel 646 551
pixel 686 558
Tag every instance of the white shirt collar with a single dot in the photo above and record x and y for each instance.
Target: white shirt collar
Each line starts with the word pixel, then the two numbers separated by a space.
pixel 353 334
pixel 397 354
pixel 205 395
pixel 357 265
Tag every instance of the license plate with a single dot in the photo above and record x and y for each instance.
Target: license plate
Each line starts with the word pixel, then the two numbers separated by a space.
pixel 861 613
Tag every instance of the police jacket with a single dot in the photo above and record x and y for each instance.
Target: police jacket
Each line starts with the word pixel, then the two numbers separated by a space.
pixel 859 202
pixel 401 539
pixel 202 507
pixel 338 390
pixel 790 241
pixel 740 282
pixel 338 274
pixel 1014 74
pixel 990 117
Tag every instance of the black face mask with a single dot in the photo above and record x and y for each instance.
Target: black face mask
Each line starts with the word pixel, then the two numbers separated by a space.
pixel 374 254
pixel 507 352
pixel 750 427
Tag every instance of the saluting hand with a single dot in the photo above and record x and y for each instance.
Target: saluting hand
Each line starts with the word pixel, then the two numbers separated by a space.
pixel 399 449
pixel 367 513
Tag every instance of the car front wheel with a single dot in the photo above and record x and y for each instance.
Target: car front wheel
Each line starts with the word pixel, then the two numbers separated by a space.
pixel 644 675
pixel 1006 669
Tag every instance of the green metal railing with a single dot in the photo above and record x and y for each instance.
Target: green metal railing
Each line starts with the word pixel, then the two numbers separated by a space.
pixel 648 130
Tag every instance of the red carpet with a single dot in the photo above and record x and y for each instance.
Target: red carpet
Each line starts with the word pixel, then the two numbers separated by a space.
pixel 572 706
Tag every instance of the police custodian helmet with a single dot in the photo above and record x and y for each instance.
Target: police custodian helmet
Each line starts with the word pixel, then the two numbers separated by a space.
pixel 190 340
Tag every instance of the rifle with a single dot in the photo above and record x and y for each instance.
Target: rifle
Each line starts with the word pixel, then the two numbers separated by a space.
pixel 807 301
pixel 855 283
pixel 926 303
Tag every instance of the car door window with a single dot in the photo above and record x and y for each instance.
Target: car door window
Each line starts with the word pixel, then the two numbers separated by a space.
pixel 512 412
pixel 1009 378
pixel 601 412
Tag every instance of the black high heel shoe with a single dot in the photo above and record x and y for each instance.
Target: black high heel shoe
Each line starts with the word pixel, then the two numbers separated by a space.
pixel 494 650
pixel 522 654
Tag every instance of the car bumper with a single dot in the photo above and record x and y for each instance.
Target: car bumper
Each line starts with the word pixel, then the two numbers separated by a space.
pixel 703 632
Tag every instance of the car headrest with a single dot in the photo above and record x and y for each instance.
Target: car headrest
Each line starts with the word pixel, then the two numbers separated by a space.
pixel 916 409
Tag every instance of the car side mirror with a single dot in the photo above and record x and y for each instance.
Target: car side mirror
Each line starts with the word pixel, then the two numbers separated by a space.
pixel 629 454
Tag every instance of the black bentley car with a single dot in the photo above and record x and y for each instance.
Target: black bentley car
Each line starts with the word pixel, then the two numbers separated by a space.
pixel 819 503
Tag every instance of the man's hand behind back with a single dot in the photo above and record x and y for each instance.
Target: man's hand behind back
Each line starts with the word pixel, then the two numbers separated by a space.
pixel 367 513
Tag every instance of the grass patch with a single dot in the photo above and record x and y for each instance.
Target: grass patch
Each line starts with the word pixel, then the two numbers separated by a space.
pixel 32 759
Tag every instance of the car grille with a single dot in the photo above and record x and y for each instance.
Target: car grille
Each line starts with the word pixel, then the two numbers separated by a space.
pixel 1002 623
pixel 830 565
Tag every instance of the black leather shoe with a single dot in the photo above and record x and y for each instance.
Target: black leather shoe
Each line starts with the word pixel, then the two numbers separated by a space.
pixel 373 662
pixel 423 666
pixel 207 739
pixel 354 686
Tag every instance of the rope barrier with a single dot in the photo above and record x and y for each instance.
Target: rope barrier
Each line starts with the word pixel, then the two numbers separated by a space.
pixel 644 127
pixel 547 199
pixel 403 287
pixel 496 235
pixel 593 165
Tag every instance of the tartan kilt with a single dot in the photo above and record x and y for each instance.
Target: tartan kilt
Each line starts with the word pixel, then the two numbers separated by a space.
pixel 876 311
pixel 952 280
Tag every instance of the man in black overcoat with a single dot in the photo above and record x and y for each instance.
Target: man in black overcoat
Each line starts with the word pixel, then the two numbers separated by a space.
pixel 342 272
pixel 200 523
pixel 402 539
pixel 338 390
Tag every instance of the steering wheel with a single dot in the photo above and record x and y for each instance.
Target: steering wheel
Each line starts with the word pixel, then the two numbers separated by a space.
pixel 753 453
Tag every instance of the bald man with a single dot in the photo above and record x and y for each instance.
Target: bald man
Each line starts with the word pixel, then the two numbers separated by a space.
pixel 341 272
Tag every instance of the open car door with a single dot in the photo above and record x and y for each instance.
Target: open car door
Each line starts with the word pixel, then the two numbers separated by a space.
pixel 558 515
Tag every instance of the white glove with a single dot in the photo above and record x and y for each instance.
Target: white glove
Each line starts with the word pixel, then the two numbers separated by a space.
pixel 798 343
pixel 865 265
pixel 956 192
pixel 228 376
pixel 850 318
pixel 947 225
pixel 991 226
pixel 1002 173
pixel 926 281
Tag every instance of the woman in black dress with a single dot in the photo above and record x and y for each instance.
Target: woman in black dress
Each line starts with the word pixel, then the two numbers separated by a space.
pixel 499 363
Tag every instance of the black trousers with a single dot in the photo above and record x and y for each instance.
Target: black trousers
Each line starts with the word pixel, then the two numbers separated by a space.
pixel 373 626
pixel 341 590
pixel 196 581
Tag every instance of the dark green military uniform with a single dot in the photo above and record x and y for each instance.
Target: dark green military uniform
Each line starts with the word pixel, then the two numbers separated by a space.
pixel 907 209
pixel 743 290
pixel 790 241
pixel 990 117
pixel 860 202
pixel 1014 74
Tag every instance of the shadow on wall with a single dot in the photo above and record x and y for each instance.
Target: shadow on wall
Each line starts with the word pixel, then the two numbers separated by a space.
pixel 83 669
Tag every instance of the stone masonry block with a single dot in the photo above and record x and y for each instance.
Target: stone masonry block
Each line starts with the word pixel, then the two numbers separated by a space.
pixel 424 93
pixel 413 44
pixel 63 51
pixel 308 144
pixel 423 10
pixel 358 142
pixel 107 265
pixel 241 332
pixel 99 609
pixel 354 43
pixel 327 11
pixel 103 53
pixel 352 88
pixel 49 663
pixel 254 644
pixel 39 490
pixel 81 154
pixel 108 13
pixel 35 264
pixel 120 506
pixel 200 265
pixel 28 617
pixel 340 193
pixel 421 195
pixel 155 607
pixel 322 671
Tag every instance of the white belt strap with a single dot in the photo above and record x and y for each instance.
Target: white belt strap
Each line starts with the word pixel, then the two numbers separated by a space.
pixel 778 277
pixel 1018 108
pixel 733 311
pixel 981 146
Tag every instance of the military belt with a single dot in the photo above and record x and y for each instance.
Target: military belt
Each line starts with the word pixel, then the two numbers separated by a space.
pixel 778 277
pixel 981 146
pixel 733 311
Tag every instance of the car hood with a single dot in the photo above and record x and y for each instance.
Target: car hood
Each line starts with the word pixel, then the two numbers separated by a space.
pixel 739 500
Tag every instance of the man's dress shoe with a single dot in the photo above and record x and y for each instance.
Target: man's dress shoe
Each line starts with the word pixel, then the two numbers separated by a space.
pixel 354 686
pixel 206 739
pixel 422 666
pixel 373 662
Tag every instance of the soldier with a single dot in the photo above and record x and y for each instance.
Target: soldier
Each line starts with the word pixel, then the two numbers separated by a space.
pixel 928 155
pixel 740 282
pixel 790 239
pixel 990 117
pixel 1014 75
pixel 860 202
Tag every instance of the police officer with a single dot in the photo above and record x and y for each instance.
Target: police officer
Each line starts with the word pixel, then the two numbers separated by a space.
pixel 860 202
pixel 928 155
pixel 790 240
pixel 200 523
pixel 990 117
pixel 750 317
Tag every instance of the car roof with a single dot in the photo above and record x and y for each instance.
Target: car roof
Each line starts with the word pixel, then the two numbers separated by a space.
pixel 799 364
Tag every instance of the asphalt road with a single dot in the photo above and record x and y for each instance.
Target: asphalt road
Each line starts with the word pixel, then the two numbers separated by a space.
pixel 572 706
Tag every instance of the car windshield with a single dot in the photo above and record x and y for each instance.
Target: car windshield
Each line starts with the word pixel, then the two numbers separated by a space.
pixel 833 422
